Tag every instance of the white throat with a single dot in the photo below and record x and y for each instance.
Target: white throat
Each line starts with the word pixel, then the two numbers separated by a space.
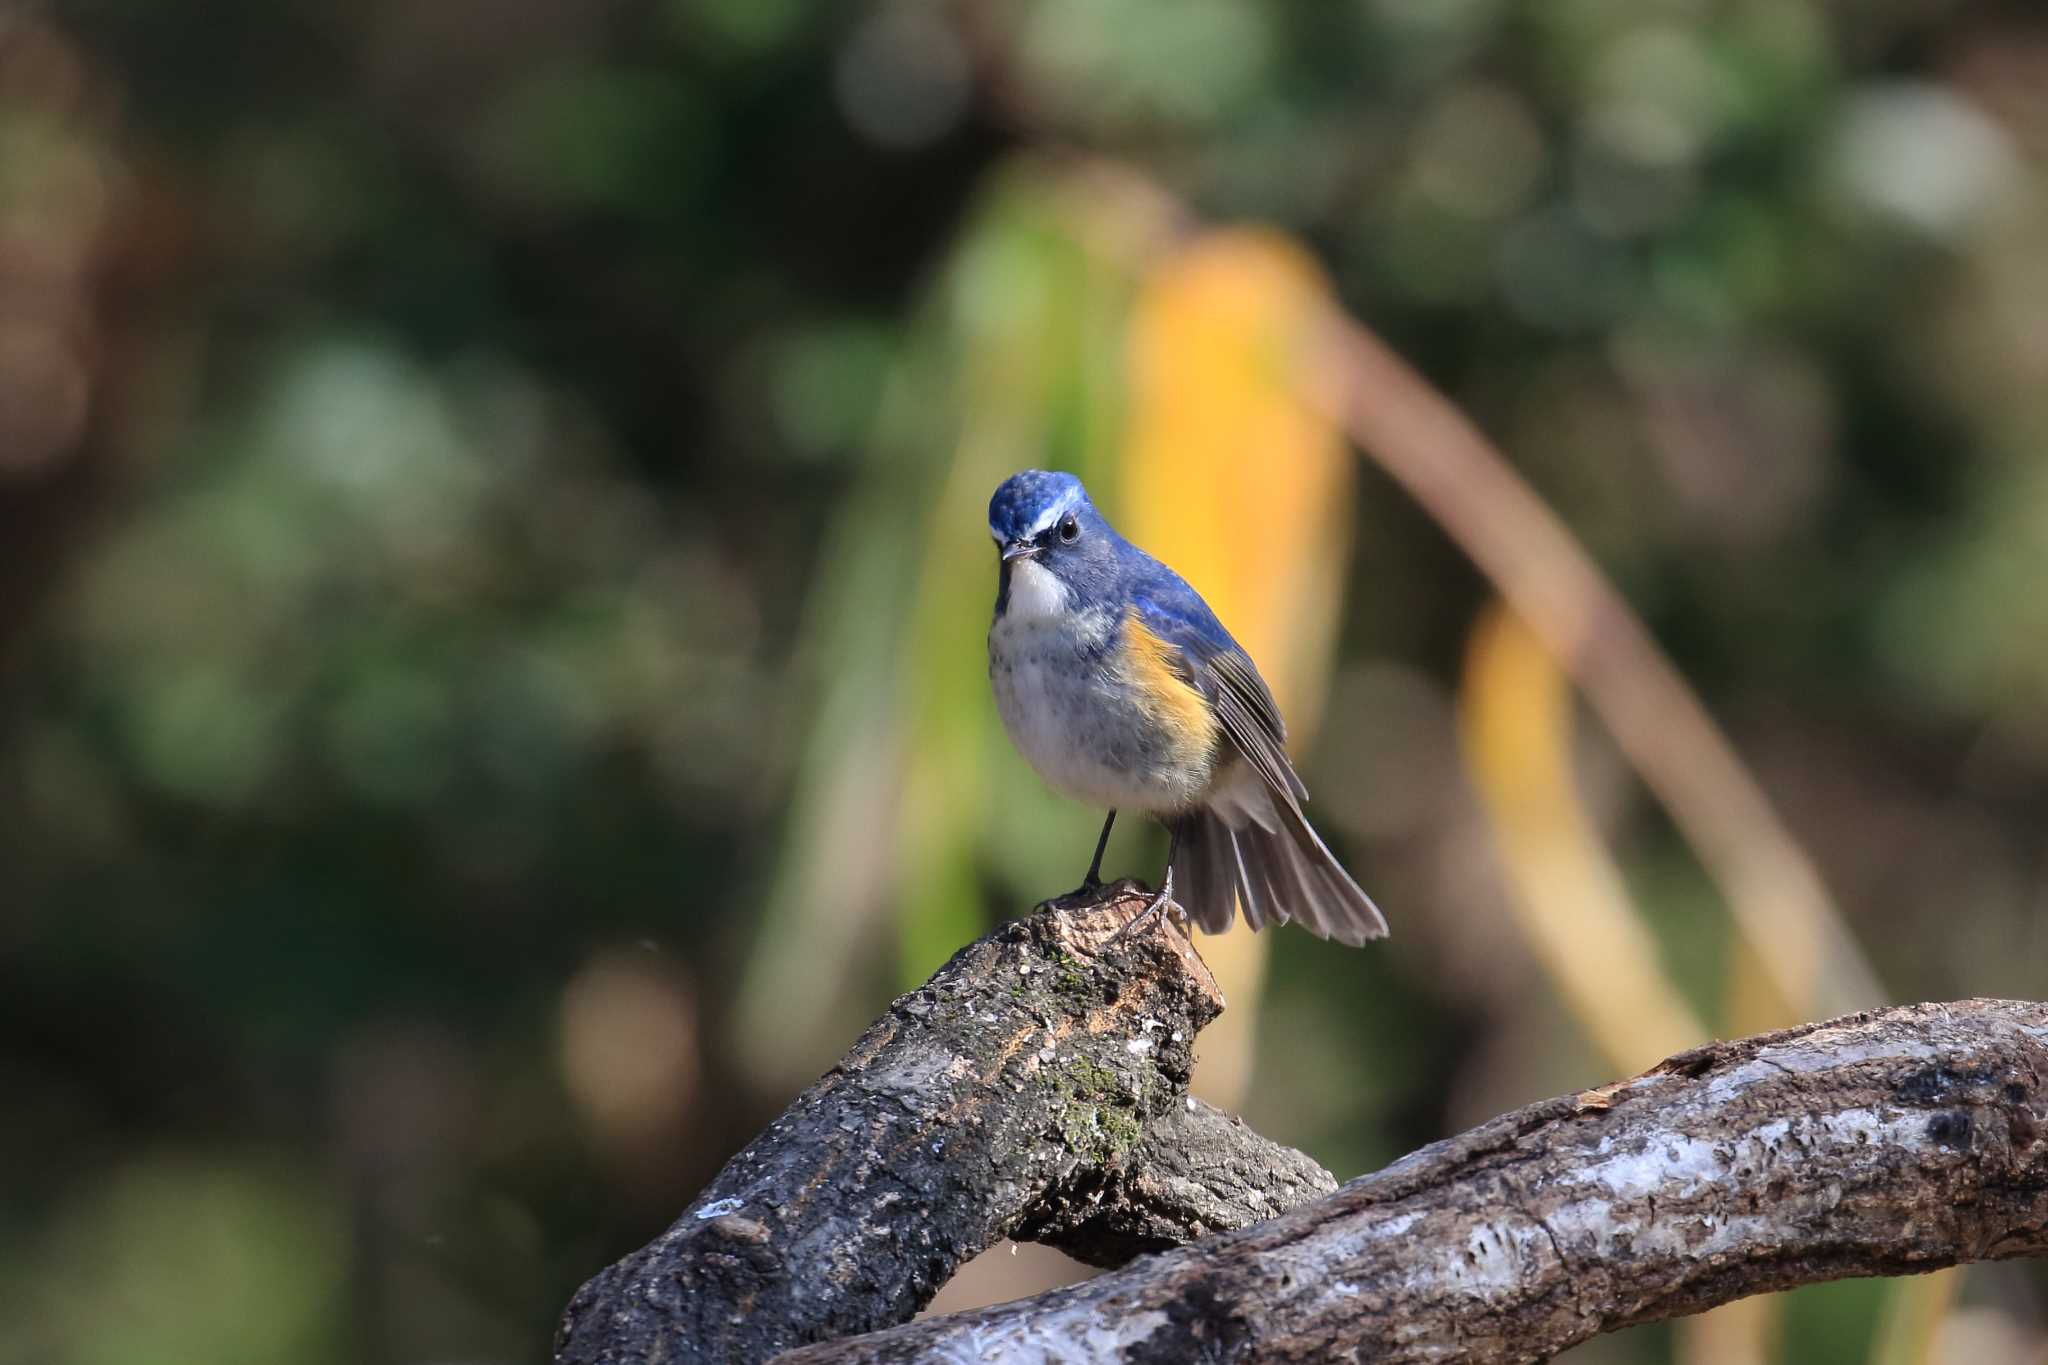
pixel 1036 593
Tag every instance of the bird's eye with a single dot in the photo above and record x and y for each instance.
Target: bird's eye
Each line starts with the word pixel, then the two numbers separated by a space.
pixel 1070 529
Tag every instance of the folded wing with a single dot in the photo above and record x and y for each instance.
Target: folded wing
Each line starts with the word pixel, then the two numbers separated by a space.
pixel 1252 846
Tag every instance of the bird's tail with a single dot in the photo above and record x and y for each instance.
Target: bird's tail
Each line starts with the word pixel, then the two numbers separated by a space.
pixel 1277 868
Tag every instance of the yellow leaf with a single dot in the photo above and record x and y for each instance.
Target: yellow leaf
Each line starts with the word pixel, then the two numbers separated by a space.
pixel 1244 488
pixel 1515 717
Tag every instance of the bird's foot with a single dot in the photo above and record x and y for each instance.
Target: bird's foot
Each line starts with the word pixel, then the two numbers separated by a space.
pixel 1162 901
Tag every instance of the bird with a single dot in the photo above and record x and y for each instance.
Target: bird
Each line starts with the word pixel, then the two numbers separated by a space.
pixel 1122 690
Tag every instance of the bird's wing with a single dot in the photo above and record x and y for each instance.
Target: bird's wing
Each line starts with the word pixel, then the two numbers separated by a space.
pixel 1216 665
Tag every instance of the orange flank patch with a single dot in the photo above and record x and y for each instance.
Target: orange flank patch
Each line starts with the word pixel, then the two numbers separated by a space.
pixel 1149 665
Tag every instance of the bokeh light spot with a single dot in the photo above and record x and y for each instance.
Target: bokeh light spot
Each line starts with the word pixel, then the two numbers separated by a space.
pixel 903 77
pixel 629 1048
pixel 43 396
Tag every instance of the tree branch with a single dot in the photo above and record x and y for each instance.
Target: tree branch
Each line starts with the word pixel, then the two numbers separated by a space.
pixel 1035 1086
pixel 1883 1143
pixel 1197 1171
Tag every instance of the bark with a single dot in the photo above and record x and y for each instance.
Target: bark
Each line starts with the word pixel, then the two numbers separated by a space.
pixel 1197 1171
pixel 1882 1143
pixel 1036 1084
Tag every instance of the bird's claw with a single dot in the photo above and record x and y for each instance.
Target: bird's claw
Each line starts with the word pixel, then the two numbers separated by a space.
pixel 1159 902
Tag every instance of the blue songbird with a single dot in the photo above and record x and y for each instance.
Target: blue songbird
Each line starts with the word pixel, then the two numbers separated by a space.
pixel 1122 689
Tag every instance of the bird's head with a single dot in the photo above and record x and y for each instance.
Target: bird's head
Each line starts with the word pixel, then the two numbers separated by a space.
pixel 1057 553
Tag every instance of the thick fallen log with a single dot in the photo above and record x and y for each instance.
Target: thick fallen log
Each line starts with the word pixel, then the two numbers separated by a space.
pixel 1883 1143
pixel 1035 1086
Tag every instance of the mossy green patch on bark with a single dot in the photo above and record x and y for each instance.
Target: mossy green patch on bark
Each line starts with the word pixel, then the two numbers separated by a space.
pixel 1097 1115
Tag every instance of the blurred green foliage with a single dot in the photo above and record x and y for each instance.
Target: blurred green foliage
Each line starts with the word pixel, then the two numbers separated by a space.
pixel 492 575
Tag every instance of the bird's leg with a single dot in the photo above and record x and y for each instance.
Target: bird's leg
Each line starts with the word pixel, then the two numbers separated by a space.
pixel 1093 882
pixel 1094 877
pixel 1165 896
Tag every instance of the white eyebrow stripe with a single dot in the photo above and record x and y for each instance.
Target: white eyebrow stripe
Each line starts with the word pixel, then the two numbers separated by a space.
pixel 1053 514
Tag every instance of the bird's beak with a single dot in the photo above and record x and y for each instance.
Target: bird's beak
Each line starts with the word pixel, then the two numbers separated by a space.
pixel 1018 549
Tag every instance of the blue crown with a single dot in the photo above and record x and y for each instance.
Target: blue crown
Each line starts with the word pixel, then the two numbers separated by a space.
pixel 1029 502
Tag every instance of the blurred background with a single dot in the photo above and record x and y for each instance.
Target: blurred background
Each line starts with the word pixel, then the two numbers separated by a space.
pixel 493 579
